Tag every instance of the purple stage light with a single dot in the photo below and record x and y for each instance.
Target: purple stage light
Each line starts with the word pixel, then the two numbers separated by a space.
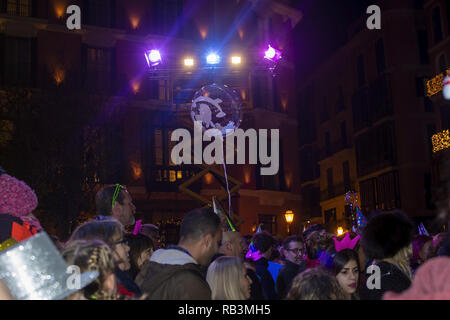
pixel 153 57
pixel 272 54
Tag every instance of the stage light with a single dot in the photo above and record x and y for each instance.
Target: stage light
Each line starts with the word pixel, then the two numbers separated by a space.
pixel 212 58
pixel 153 57
pixel 236 60
pixel 188 62
pixel 272 54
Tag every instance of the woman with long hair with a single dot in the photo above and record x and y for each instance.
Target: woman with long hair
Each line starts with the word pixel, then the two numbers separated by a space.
pixel 141 249
pixel 93 255
pixel 346 269
pixel 111 232
pixel 228 280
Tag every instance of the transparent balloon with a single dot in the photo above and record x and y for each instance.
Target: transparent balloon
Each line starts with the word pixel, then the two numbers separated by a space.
pixel 217 107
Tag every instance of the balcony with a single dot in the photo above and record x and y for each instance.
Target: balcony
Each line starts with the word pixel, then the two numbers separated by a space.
pixel 333 148
pixel 336 191
pixel 168 178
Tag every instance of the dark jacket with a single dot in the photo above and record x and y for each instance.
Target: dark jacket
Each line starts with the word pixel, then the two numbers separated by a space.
pixel 172 274
pixel 125 284
pixel 286 275
pixel 392 279
pixel 266 280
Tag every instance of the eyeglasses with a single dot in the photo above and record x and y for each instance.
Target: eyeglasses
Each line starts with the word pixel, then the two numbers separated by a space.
pixel 116 193
pixel 123 241
pixel 296 251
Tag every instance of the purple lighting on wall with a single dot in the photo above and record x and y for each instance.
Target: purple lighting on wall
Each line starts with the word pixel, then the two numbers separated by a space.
pixel 272 54
pixel 153 57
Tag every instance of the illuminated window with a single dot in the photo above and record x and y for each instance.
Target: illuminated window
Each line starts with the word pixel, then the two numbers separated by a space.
pixel 21 8
pixel 172 176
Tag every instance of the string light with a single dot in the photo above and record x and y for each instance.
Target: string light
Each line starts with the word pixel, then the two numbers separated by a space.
pixel 441 141
pixel 436 84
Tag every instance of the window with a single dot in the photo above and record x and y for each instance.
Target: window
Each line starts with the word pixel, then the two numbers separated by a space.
pixel 344 134
pixel 99 75
pixel 271 182
pixel 422 39
pixel 442 64
pixel 22 8
pixel 379 50
pixel 165 15
pixel 330 219
pixel 431 130
pixel 268 222
pixel 330 182
pixel 388 195
pixel 436 24
pixel 99 13
pixel 445 117
pixel 360 71
pixel 368 195
pixel 19 61
pixel 375 149
pixel 340 104
pixel 327 144
pixel 447 5
pixel 260 90
pixel 346 172
pixel 324 116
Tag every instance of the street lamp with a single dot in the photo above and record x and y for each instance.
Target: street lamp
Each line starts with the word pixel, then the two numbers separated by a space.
pixel 289 216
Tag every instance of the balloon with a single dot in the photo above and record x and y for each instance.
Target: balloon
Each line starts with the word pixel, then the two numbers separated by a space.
pixel 216 107
pixel 446 88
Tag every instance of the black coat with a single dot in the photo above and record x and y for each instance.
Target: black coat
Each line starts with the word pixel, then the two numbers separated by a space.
pixel 266 280
pixel 286 275
pixel 392 279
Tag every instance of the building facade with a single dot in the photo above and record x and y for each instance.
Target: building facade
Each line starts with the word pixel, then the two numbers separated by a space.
pixel 106 59
pixel 371 120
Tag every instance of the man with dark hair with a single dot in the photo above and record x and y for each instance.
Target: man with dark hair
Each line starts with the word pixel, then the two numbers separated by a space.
pixel 115 201
pixel 264 242
pixel 177 272
pixel 293 250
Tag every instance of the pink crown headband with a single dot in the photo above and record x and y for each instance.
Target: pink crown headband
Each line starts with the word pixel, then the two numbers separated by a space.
pixel 346 243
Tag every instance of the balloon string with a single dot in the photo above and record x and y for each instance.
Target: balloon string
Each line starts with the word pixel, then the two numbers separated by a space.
pixel 228 189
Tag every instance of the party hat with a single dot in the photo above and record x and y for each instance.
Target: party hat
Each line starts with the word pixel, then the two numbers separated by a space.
pixel 346 242
pixel 35 270
pixel 227 225
pixel 422 230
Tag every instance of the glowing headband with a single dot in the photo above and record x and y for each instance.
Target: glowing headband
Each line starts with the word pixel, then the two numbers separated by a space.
pixel 116 193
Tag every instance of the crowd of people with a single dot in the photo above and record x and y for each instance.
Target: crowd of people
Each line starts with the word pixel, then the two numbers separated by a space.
pixel 385 260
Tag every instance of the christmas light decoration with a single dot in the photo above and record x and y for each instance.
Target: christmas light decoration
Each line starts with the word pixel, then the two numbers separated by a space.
pixel 441 141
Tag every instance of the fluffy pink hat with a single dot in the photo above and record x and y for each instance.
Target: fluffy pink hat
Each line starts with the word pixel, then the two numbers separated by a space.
pixel 16 197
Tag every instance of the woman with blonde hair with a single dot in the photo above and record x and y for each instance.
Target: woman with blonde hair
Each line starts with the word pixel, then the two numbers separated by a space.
pixel 93 255
pixel 315 284
pixel 228 280
pixel 111 232
pixel 387 241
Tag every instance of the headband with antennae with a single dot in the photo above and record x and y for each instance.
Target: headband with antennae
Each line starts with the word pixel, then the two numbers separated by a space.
pixel 116 193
